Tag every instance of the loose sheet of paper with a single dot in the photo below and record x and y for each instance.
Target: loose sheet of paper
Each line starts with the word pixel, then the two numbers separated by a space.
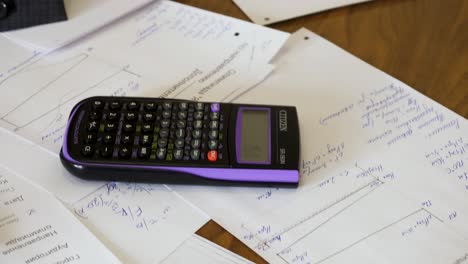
pixel 266 12
pixel 84 17
pixel 199 250
pixel 168 50
pixel 36 228
pixel 119 214
pixel 383 168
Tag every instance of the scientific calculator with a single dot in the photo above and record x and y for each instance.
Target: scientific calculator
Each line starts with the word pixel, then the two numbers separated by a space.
pixel 182 142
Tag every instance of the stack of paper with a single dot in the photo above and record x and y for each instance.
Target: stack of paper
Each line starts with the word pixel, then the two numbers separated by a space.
pixel 166 49
pixel 383 168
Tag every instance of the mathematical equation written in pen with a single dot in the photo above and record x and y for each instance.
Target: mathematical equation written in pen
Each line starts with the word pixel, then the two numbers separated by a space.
pixel 115 200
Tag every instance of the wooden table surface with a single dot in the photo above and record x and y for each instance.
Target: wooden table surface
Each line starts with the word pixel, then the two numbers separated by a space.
pixel 423 43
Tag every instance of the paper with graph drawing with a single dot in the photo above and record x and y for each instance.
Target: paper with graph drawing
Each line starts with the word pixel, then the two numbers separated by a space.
pixel 36 228
pixel 266 12
pixel 384 174
pixel 167 49
pixel 84 17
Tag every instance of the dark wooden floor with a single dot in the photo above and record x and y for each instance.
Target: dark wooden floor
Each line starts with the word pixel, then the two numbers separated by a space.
pixel 423 43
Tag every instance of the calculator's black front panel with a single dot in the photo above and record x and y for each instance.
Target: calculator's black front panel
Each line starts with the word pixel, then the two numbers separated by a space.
pixel 148 133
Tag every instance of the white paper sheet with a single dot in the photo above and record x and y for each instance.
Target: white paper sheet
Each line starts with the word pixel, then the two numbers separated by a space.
pixel 130 219
pixel 168 49
pixel 84 17
pixel 36 228
pixel 383 168
pixel 266 12
pixel 196 249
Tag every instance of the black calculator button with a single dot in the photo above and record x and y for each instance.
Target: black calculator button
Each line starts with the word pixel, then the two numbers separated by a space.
pixel 199 106
pixel 144 152
pixel 164 133
pixel 196 143
pixel 181 124
pixel 161 153
pixel 212 144
pixel 110 127
pixel 198 124
pixel 87 150
pixel 147 128
pixel 162 142
pixel 179 143
pixel 213 134
pixel 115 105
pixel 178 154
pixel 111 116
pixel 214 116
pixel 94 115
pixel 180 133
pixel 183 106
pixel 165 123
pixel 150 106
pixel 129 127
pixel 195 154
pixel 106 151
pixel 98 104
pixel 149 117
pixel 166 114
pixel 93 126
pixel 132 105
pixel 127 139
pixel 198 115
pixel 108 139
pixel 146 140
pixel 197 133
pixel 125 152
pixel 131 116
pixel 90 139
pixel 214 125
pixel 167 106
pixel 182 115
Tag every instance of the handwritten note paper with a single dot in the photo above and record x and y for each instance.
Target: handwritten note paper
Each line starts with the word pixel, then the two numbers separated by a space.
pixel 382 168
pixel 149 213
pixel 166 50
pixel 117 213
pixel 37 228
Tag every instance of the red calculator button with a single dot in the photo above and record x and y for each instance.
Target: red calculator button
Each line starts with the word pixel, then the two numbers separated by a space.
pixel 212 155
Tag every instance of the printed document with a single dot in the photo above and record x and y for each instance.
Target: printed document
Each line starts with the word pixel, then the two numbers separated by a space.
pixel 36 228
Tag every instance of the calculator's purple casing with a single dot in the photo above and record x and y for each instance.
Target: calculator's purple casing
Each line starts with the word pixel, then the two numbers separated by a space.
pixel 282 167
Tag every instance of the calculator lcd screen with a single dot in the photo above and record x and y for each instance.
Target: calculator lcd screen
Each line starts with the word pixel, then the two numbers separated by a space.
pixel 255 136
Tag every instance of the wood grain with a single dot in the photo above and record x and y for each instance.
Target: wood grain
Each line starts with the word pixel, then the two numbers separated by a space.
pixel 423 43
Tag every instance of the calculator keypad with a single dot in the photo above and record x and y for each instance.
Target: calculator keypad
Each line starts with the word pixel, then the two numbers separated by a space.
pixel 158 131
